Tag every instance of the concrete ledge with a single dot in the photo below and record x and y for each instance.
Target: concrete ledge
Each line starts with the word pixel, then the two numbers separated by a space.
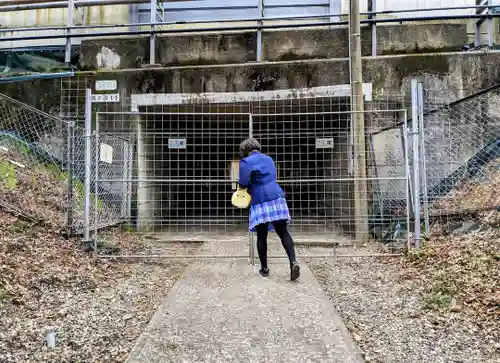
pixel 389 75
pixel 224 48
pixel 153 99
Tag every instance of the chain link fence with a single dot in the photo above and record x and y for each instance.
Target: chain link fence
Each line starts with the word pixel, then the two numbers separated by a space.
pixel 34 165
pixel 462 150
pixel 43 170
pixel 388 165
pixel 111 187
pixel 452 146
pixel 458 165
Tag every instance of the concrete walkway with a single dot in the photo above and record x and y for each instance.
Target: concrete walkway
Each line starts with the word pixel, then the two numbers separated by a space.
pixel 226 312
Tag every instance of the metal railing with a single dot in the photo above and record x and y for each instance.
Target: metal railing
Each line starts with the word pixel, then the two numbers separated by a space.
pixel 263 20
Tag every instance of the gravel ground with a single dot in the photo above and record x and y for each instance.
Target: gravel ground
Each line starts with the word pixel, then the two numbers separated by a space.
pixel 97 308
pixel 385 314
pixel 97 324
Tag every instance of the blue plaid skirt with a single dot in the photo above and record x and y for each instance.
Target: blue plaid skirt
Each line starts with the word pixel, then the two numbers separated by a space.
pixel 275 210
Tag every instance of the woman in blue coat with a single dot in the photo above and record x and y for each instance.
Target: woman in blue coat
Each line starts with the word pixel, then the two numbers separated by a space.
pixel 268 207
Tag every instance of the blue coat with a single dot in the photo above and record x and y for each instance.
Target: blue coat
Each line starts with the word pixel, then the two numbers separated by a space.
pixel 258 175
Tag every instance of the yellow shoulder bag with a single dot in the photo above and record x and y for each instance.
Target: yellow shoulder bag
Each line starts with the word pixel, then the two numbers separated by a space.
pixel 241 199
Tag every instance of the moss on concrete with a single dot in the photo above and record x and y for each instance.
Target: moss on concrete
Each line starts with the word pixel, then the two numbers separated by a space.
pixel 431 63
pixel 416 49
pixel 291 56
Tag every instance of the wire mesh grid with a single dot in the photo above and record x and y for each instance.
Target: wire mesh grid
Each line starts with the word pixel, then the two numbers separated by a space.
pixel 172 168
pixel 111 156
pixel 34 163
pixel 112 168
pixel 186 166
pixel 462 149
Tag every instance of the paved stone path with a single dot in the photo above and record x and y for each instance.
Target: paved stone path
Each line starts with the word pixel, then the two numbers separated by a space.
pixel 224 311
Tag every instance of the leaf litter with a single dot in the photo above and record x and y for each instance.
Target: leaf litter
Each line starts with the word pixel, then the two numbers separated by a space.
pixel 97 308
pixel 440 303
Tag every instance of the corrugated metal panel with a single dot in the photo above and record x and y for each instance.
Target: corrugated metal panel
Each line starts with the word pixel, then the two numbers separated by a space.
pixel 118 14
pixel 383 5
pixel 192 11
pixel 45 17
pixel 277 8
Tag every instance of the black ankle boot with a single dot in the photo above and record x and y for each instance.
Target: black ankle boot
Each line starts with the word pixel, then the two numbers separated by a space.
pixel 264 272
pixel 294 271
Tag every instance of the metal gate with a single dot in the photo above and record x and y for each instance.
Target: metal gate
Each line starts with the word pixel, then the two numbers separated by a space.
pixel 176 168
pixel 185 168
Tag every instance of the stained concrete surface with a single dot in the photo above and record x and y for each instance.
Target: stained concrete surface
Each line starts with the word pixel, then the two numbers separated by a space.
pixel 226 312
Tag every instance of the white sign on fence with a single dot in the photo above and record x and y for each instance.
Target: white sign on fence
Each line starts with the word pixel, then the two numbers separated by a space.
pixel 109 97
pixel 325 143
pixel 106 153
pixel 106 85
pixel 177 143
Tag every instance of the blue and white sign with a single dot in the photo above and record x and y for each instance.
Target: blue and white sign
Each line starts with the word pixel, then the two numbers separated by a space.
pixel 177 143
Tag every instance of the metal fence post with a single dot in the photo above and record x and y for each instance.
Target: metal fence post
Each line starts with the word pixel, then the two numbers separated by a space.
pixel 423 164
pixel 88 164
pixel 259 31
pixel 251 247
pixel 69 23
pixel 372 7
pixel 406 148
pixel 490 24
pixel 97 148
pixel 70 159
pixel 125 172
pixel 152 37
pixel 416 161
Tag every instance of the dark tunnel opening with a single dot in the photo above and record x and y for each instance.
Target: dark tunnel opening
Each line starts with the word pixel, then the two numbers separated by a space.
pixel 192 183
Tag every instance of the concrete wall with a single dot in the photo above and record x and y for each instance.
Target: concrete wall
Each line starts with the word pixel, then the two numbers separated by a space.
pixel 301 44
pixel 459 74
pixel 208 68
pixel 453 75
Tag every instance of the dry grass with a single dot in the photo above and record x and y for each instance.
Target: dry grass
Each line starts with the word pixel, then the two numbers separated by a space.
pixel 459 273
pixel 477 193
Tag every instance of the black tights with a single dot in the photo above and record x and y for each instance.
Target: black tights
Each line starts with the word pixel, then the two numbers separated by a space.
pixel 284 235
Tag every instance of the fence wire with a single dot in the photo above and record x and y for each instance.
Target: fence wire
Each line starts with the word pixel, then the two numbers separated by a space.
pixel 462 150
pixel 186 190
pixel 35 165
pixel 110 175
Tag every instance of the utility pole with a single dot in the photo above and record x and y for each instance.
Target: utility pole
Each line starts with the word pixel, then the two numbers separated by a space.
pixel 358 125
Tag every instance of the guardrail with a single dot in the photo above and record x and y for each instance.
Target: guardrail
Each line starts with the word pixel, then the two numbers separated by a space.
pixel 159 12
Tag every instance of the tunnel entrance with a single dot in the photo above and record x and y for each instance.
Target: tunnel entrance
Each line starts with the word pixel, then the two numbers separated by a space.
pixel 192 155
pixel 191 161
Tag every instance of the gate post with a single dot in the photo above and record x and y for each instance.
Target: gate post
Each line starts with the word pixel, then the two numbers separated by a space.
pixel 70 159
pixel 416 160
pixel 88 164
pixel 423 163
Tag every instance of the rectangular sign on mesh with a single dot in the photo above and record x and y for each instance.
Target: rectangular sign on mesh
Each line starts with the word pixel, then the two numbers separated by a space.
pixel 177 143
